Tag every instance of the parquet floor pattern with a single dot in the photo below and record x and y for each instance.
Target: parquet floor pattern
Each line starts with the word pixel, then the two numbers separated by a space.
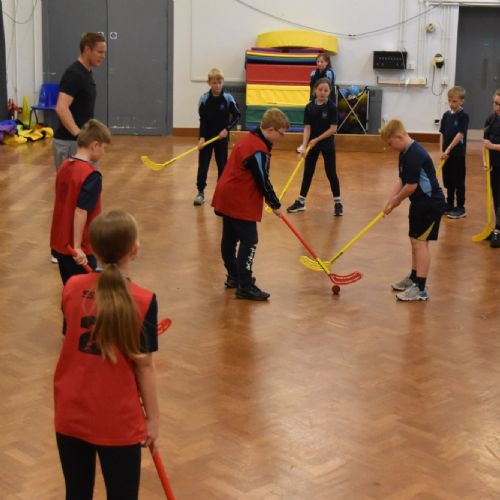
pixel 310 396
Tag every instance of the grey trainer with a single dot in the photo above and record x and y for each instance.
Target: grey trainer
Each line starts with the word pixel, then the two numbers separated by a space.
pixel 412 293
pixel 402 285
pixel 199 200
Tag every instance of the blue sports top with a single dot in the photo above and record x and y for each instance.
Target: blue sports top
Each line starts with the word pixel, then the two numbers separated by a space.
pixel 416 167
pixel 320 117
pixel 492 133
pixel 451 125
pixel 317 74
pixel 217 113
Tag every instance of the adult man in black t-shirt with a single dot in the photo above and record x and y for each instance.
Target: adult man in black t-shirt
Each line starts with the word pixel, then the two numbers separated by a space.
pixel 77 93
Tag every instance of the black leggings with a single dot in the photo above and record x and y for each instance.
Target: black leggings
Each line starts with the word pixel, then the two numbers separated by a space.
pixel 328 152
pixel 244 232
pixel 220 149
pixel 495 189
pixel 120 465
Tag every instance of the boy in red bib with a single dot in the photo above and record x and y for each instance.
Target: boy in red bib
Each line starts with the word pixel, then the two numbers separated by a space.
pixel 239 197
pixel 78 200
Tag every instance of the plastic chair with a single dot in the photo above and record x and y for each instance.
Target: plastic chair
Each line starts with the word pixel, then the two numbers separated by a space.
pixel 47 100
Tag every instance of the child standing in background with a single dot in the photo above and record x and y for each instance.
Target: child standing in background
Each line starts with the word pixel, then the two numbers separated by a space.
pixel 323 70
pixel 492 142
pixel 320 125
pixel 219 113
pixel 453 145
pixel 106 367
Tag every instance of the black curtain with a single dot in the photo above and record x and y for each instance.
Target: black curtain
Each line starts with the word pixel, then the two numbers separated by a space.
pixel 3 70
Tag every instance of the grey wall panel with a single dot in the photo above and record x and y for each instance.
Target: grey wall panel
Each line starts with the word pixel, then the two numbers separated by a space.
pixel 64 22
pixel 478 60
pixel 137 62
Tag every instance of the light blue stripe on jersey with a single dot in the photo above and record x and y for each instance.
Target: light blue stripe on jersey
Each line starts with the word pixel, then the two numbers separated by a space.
pixel 425 183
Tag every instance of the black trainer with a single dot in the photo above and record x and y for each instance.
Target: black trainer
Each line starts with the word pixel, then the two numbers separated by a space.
pixel 251 292
pixel 495 240
pixel 231 281
pixel 338 209
pixel 458 213
pixel 296 206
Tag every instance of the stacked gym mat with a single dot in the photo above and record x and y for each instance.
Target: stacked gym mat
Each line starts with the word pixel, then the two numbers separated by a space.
pixel 278 73
pixel 278 78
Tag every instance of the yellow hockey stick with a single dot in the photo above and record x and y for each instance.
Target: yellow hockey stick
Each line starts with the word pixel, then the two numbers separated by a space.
pixel 441 165
pixel 160 166
pixel 316 266
pixel 489 202
pixel 290 180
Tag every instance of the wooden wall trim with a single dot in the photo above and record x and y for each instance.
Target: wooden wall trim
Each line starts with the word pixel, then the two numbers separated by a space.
pixel 185 132
pixel 344 142
pixel 425 136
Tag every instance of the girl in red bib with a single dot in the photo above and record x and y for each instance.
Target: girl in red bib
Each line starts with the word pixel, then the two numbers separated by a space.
pixel 105 395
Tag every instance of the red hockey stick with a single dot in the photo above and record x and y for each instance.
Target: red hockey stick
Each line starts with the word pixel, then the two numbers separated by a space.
pixel 336 279
pixel 162 474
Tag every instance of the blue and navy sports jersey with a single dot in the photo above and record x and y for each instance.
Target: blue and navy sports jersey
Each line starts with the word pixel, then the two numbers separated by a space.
pixel 258 164
pixel 90 192
pixel 317 74
pixel 416 167
pixel 217 113
pixel 451 125
pixel 320 117
pixel 492 133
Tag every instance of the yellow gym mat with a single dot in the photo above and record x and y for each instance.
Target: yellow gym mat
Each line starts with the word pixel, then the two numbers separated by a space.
pixel 298 38
pixel 277 95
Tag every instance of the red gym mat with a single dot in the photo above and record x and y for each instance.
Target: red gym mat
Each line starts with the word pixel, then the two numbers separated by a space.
pixel 284 74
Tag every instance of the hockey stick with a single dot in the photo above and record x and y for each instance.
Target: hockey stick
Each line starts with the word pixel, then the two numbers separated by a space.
pixel 290 180
pixel 336 279
pixel 73 253
pixel 315 266
pixel 163 325
pixel 162 473
pixel 441 165
pixel 160 166
pixel 489 205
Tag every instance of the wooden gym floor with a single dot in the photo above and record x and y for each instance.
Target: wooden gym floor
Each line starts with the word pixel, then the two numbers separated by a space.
pixel 309 396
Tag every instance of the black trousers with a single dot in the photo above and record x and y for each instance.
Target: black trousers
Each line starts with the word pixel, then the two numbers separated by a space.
pixel 219 147
pixel 454 180
pixel 328 153
pixel 120 465
pixel 68 267
pixel 495 189
pixel 239 263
